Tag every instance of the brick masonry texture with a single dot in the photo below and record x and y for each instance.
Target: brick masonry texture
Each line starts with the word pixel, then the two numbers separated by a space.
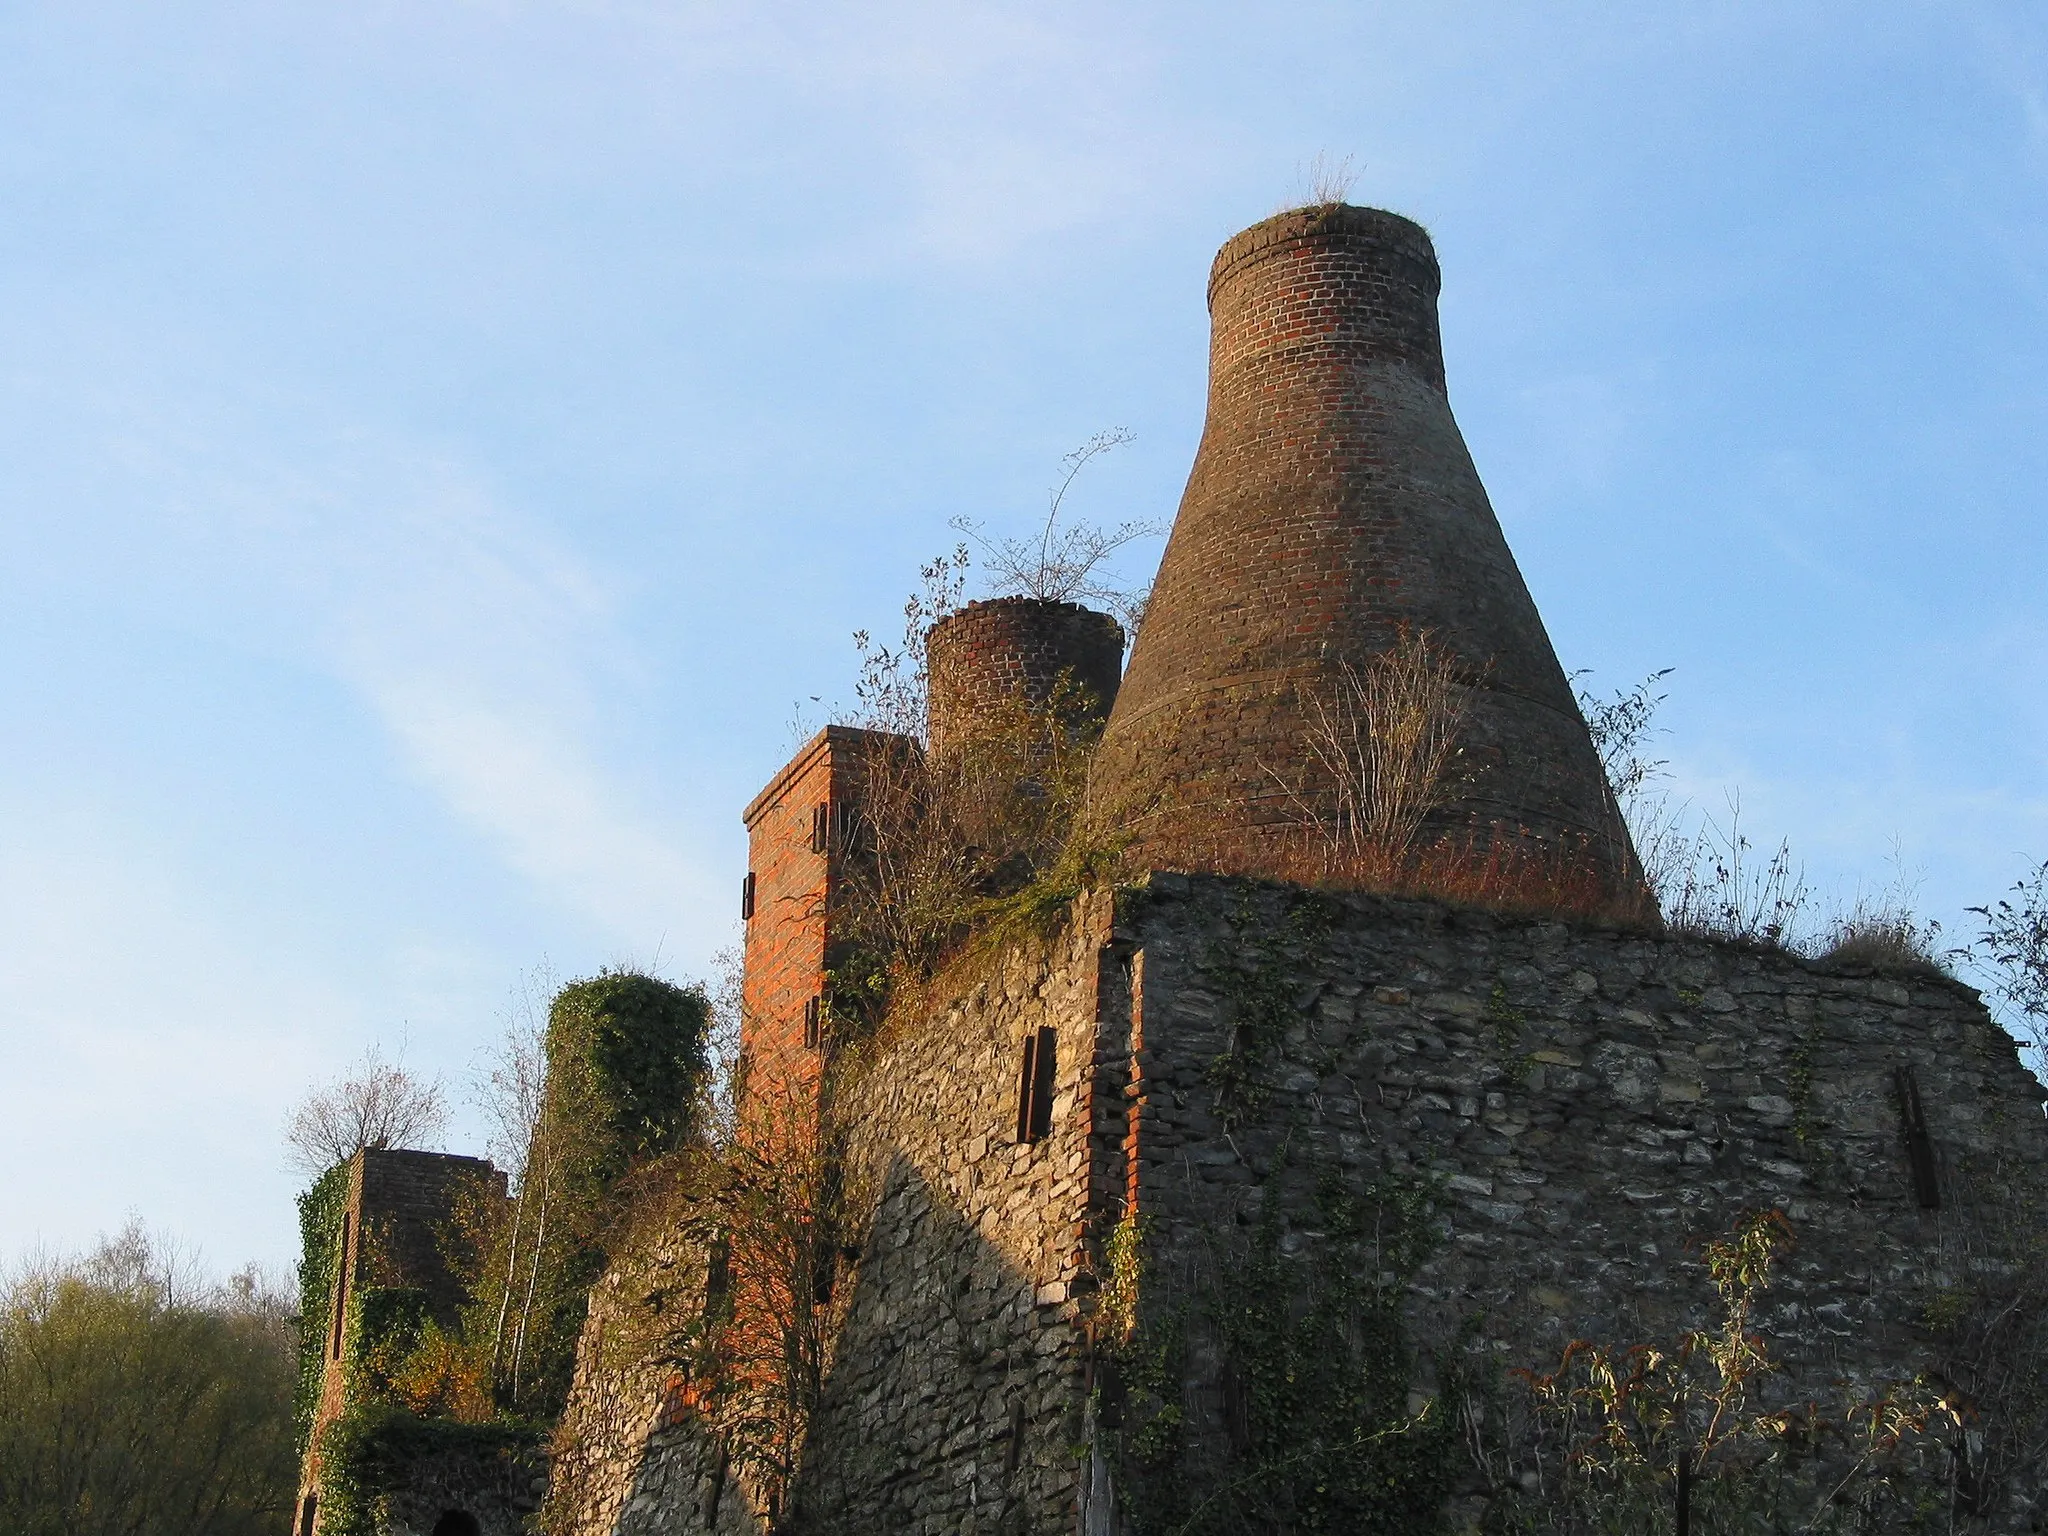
pixel 788 942
pixel 398 1208
pixel 1586 1102
pixel 1332 505
pixel 1017 648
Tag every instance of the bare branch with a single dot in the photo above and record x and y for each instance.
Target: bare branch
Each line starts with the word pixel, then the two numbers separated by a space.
pixel 380 1105
pixel 1061 565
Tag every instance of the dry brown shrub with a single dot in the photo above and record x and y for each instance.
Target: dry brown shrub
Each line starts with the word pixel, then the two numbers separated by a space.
pixel 943 842
pixel 1883 937
pixel 1387 736
pixel 1373 795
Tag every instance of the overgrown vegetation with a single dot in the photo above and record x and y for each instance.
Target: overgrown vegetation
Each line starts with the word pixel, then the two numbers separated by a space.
pixel 1686 1434
pixel 1318 1432
pixel 995 832
pixel 136 1398
pixel 1374 793
pixel 1065 564
pixel 764 1212
pixel 320 1209
pixel 1259 973
pixel 611 1085
pixel 1711 880
pixel 375 1450
pixel 2011 951
pixel 617 1081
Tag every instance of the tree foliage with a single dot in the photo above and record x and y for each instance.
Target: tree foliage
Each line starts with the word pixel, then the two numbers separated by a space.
pixel 626 1065
pixel 2014 945
pixel 618 1078
pixel 134 1400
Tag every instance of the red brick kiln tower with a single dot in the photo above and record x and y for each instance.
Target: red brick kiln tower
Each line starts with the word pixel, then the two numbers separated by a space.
pixel 1124 1139
pixel 1019 649
pixel 1332 506
pixel 803 827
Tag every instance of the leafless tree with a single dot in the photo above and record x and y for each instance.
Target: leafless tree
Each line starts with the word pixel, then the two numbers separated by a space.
pixel 510 1088
pixel 1063 564
pixel 378 1105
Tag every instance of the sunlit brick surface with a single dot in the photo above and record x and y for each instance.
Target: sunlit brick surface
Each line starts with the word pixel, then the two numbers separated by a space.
pixel 1333 504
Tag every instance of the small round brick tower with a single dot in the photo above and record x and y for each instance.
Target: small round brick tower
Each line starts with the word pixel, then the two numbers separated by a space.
pixel 1332 509
pixel 1018 648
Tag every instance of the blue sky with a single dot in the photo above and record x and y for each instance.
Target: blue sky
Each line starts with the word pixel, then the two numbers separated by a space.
pixel 442 447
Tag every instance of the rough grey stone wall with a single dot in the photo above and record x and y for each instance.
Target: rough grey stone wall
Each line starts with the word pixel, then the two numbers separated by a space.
pixel 631 1456
pixel 954 1401
pixel 953 1397
pixel 1586 1102
pixel 498 1492
pixel 1590 1105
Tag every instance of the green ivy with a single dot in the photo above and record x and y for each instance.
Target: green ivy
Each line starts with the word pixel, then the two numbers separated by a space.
pixel 373 1450
pixel 1506 1022
pixel 1261 980
pixel 626 1065
pixel 320 1211
pixel 385 1324
pixel 1319 1370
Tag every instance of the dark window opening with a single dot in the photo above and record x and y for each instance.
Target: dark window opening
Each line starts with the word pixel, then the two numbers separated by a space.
pixel 747 897
pixel 340 1287
pixel 457 1522
pixel 1919 1145
pixel 1034 1085
pixel 1013 1452
pixel 814 1022
pixel 717 1277
pixel 1237 1409
pixel 836 827
pixel 307 1510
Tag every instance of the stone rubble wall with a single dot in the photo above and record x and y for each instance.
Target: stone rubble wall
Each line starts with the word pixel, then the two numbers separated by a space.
pixel 1590 1105
pixel 631 1457
pixel 499 1492
pixel 954 1402
pixel 953 1399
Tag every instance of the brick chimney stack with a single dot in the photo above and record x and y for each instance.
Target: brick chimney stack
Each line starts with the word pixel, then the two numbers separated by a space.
pixel 1022 650
pixel 1332 506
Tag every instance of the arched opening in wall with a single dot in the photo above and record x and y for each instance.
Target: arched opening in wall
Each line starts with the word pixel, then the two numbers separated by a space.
pixel 457 1522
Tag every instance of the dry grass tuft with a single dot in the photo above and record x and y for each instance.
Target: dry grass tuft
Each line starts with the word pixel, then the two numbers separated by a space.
pixel 1884 934
pixel 1325 182
pixel 1380 772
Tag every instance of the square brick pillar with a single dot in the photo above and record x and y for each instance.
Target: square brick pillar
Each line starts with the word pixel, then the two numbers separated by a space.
pixel 801 831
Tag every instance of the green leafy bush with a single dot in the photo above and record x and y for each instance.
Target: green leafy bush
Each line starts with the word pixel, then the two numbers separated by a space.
pixel 134 1400
pixel 320 1209
pixel 626 1067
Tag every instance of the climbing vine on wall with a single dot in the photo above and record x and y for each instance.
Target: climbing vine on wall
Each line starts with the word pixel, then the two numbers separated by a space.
pixel 376 1449
pixel 320 1209
pixel 1261 979
pixel 1317 1373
